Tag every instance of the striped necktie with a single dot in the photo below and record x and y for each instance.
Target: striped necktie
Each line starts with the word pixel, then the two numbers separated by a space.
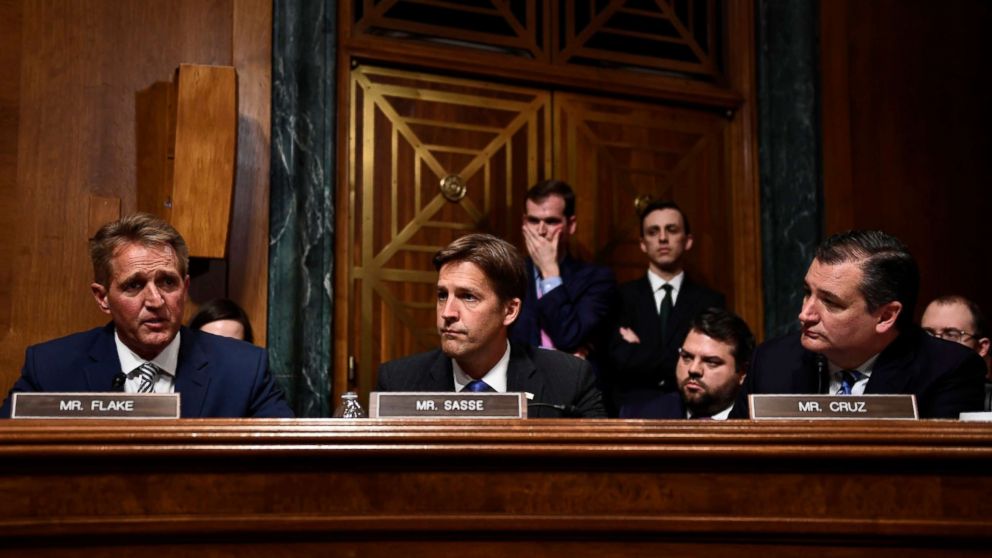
pixel 148 373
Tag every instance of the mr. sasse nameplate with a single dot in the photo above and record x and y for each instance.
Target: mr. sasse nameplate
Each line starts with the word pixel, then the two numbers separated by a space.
pixel 447 405
pixel 769 406
pixel 96 405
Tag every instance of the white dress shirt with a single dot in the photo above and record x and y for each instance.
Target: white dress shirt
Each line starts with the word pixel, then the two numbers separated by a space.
pixel 496 377
pixel 167 361
pixel 659 294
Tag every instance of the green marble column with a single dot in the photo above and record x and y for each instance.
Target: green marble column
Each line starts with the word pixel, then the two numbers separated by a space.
pixel 301 233
pixel 789 136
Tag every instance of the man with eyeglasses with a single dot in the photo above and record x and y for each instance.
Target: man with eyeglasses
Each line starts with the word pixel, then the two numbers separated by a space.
pixel 957 319
pixel 857 334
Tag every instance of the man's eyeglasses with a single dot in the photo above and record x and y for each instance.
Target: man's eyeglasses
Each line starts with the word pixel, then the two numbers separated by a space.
pixel 949 334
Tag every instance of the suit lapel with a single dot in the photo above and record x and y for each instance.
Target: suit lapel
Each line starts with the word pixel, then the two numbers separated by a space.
pixel 683 309
pixel 647 310
pixel 521 374
pixel 105 364
pixel 192 375
pixel 890 373
pixel 442 375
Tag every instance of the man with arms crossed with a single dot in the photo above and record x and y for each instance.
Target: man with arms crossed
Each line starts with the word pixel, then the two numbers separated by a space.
pixel 140 281
pixel 655 310
pixel 481 281
pixel 711 368
pixel 858 335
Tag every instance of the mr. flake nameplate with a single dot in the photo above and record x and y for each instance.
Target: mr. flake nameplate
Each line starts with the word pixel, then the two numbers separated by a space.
pixel 447 405
pixel 95 405
pixel 872 407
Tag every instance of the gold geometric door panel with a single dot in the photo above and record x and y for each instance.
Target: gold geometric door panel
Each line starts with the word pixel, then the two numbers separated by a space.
pixel 615 153
pixel 679 36
pixel 409 133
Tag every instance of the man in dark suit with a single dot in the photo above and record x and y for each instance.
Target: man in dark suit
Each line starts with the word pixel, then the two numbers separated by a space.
pixel 712 366
pixel 140 264
pixel 958 319
pixel 567 300
pixel 857 334
pixel 481 281
pixel 655 310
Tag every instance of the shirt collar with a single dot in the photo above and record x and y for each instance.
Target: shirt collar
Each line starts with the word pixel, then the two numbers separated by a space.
pixel 722 415
pixel 167 360
pixel 656 281
pixel 496 377
pixel 865 368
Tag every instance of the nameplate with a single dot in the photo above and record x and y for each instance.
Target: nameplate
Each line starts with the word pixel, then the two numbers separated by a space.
pixel 872 407
pixel 398 404
pixel 95 405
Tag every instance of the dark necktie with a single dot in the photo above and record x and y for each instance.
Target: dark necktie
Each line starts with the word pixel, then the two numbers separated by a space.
pixel 665 310
pixel 148 374
pixel 478 385
pixel 847 380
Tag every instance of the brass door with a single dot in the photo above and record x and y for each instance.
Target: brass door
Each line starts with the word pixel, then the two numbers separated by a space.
pixel 616 154
pixel 408 134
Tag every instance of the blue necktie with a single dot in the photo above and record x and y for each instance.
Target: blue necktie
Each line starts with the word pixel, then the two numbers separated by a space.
pixel 477 386
pixel 848 379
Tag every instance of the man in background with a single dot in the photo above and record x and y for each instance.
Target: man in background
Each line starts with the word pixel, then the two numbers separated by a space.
pixel 481 282
pixel 957 319
pixel 566 300
pixel 140 281
pixel 711 368
pixel 655 311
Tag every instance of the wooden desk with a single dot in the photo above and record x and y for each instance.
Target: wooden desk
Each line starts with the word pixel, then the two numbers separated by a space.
pixel 496 487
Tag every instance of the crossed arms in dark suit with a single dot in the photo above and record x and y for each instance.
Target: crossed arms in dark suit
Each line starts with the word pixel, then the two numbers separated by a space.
pixel 553 378
pixel 650 364
pixel 946 377
pixel 215 376
pixel 571 313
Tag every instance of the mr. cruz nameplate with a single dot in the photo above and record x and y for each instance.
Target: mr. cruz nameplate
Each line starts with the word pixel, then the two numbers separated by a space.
pixel 95 405
pixel 447 405
pixel 833 407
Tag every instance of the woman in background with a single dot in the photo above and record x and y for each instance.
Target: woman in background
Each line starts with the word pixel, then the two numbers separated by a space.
pixel 223 317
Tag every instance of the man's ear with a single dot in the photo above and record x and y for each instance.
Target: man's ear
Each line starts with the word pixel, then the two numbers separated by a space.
pixel 688 242
pixel 100 294
pixel 741 376
pixel 887 316
pixel 983 346
pixel 512 311
pixel 572 222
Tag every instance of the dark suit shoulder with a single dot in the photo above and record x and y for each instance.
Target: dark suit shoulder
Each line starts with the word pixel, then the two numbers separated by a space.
pixel 73 344
pixel 407 373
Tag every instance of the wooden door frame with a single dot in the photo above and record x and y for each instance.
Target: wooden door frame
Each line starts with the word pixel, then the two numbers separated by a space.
pixel 739 101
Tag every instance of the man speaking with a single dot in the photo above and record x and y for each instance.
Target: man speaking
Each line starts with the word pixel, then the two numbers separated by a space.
pixel 140 281
pixel 481 282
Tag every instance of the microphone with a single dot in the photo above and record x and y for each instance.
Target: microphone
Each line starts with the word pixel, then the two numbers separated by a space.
pixel 118 382
pixel 565 410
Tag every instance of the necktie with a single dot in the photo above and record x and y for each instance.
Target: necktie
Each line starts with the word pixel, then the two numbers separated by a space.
pixel 848 379
pixel 477 386
pixel 665 310
pixel 148 374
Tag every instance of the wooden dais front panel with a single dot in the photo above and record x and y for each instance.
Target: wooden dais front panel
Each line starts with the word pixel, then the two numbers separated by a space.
pixel 481 488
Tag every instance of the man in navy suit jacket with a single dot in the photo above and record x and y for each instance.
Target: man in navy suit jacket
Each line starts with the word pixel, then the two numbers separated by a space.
pixel 713 362
pixel 481 281
pixel 567 300
pixel 858 337
pixel 643 352
pixel 139 264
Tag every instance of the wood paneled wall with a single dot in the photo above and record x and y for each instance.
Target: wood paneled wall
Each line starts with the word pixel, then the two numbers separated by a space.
pixel 69 72
pixel 906 120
